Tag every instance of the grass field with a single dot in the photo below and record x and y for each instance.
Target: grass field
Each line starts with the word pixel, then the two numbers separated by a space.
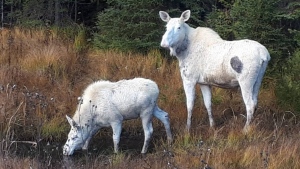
pixel 43 72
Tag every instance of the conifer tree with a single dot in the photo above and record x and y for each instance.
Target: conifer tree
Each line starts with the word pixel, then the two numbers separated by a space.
pixel 129 25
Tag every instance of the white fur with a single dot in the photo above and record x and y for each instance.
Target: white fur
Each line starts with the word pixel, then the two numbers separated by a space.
pixel 205 58
pixel 106 103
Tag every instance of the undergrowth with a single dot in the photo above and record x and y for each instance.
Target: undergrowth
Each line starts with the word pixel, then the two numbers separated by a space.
pixel 43 72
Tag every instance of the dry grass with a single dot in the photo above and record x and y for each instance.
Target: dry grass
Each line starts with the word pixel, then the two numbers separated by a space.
pixel 47 73
pixel 20 163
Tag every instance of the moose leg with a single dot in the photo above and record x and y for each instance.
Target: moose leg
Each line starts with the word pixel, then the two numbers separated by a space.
pixel 206 93
pixel 258 81
pixel 164 118
pixel 86 144
pixel 148 130
pixel 250 102
pixel 189 89
pixel 117 128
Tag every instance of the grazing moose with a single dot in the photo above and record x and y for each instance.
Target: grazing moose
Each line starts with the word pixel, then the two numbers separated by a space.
pixel 205 58
pixel 106 103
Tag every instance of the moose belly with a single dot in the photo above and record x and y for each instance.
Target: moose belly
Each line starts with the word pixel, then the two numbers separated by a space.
pixel 221 82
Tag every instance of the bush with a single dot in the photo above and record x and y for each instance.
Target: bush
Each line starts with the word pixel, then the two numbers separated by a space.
pixel 288 89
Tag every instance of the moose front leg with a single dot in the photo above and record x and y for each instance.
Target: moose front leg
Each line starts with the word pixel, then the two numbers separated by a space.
pixel 206 93
pixel 91 134
pixel 189 89
pixel 117 128
pixel 86 144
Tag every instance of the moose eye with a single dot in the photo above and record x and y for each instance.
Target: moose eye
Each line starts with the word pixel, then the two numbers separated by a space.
pixel 75 137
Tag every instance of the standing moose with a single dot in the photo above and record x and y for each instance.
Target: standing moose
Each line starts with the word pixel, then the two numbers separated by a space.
pixel 205 58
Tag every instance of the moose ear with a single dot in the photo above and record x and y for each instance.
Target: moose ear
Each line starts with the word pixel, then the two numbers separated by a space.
pixel 71 121
pixel 185 15
pixel 164 16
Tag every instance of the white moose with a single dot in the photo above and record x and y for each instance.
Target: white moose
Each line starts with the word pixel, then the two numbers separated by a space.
pixel 205 58
pixel 106 103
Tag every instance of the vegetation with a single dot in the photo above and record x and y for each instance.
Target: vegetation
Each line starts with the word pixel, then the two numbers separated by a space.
pixel 36 96
pixel 141 32
pixel 49 56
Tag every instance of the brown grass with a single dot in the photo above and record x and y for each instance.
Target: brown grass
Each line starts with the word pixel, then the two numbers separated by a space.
pixel 46 74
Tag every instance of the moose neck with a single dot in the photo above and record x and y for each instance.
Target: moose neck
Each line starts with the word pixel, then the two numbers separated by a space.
pixel 182 47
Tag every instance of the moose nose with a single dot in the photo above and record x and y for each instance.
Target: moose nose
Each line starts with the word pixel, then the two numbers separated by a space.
pixel 164 44
pixel 66 150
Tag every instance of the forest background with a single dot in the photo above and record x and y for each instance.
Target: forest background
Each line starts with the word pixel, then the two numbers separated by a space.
pixel 51 49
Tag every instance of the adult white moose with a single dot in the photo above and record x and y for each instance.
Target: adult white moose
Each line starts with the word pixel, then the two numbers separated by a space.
pixel 205 58
pixel 106 103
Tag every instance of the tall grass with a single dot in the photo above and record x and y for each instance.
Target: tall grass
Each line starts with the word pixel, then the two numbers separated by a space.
pixel 43 72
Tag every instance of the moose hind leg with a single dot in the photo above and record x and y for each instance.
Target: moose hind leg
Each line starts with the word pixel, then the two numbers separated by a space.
pixel 250 103
pixel 164 118
pixel 148 130
pixel 259 79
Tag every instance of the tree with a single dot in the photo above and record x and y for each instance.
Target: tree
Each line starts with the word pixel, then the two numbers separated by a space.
pixel 2 13
pixel 135 24
pixel 257 19
pixel 57 18
pixel 129 25
pixel 38 12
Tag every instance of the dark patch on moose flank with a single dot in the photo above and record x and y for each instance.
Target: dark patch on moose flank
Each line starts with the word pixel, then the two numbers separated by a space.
pixel 236 64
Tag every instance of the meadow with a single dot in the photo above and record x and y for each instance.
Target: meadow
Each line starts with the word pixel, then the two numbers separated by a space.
pixel 44 71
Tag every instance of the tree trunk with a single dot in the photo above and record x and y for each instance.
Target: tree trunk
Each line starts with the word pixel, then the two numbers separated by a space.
pixel 50 10
pixel 75 17
pixel 57 18
pixel 2 14
pixel 11 12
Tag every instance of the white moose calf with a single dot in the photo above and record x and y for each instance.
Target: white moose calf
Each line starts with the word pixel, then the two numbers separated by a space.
pixel 106 103
pixel 206 59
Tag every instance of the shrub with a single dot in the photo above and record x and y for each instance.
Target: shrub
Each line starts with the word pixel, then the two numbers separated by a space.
pixel 288 89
